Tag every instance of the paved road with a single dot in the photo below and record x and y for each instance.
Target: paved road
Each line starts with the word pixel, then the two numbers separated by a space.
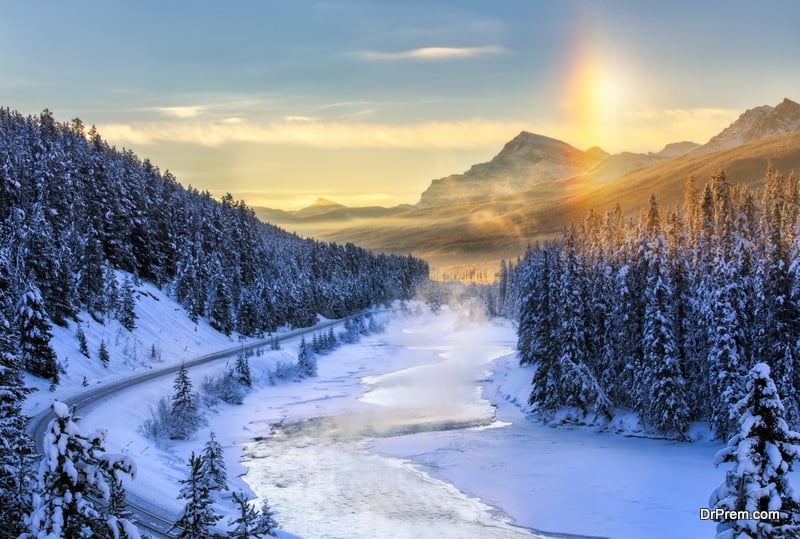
pixel 146 514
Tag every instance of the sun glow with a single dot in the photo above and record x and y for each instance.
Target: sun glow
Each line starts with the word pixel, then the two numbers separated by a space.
pixel 596 94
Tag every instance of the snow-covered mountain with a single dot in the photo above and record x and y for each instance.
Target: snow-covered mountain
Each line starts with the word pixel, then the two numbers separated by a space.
pixel 756 124
pixel 526 161
pixel 536 185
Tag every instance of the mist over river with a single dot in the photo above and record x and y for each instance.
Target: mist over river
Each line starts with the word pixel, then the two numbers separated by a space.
pixel 316 469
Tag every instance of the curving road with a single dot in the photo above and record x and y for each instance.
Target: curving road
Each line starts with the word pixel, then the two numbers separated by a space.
pixel 147 515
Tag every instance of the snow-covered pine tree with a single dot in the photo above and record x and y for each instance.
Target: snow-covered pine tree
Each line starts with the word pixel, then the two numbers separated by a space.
pixel 579 386
pixel 102 353
pixel 34 336
pixel 82 345
pixel 126 311
pixel 763 452
pixel 306 362
pixel 778 318
pixel 110 291
pixel 198 518
pixel 17 452
pixel 74 470
pixel 330 341
pixel 221 316
pixel 664 404
pixel 245 521
pixel 249 523
pixel 184 414
pixel 213 464
pixel 266 525
pixel 242 370
pixel 727 356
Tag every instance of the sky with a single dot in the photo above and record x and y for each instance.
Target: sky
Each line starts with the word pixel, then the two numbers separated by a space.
pixel 364 103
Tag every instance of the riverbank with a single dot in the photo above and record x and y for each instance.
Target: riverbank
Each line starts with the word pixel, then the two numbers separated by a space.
pixel 565 480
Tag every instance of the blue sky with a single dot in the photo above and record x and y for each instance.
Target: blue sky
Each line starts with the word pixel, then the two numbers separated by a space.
pixel 366 102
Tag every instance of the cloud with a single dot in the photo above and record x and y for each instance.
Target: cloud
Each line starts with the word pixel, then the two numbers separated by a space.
pixel 300 119
pixel 432 53
pixel 465 134
pixel 180 112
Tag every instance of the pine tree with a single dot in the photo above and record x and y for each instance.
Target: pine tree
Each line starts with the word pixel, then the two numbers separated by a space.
pixel 763 453
pixel 126 311
pixel 102 353
pixel 250 524
pixel 727 355
pixel 34 336
pixel 242 370
pixel 81 336
pixel 198 518
pixel 306 361
pixel 213 465
pixel 663 392
pixel 183 412
pixel 74 470
pixel 221 317
pixel 266 525
pixel 17 452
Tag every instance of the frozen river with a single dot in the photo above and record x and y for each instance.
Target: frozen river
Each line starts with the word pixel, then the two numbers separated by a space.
pixel 397 437
pixel 318 472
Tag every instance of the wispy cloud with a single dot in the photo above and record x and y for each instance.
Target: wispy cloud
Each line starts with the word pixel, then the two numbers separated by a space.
pixel 465 134
pixel 300 119
pixel 432 54
pixel 180 112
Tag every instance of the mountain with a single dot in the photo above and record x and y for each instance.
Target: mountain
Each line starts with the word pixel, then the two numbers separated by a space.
pixel 525 162
pixel 676 149
pixel 319 207
pixel 756 124
pixel 536 185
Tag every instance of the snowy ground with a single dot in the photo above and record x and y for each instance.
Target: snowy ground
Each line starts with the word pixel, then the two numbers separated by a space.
pixel 423 435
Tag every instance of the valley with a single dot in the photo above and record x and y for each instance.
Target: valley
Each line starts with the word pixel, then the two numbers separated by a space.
pixel 535 186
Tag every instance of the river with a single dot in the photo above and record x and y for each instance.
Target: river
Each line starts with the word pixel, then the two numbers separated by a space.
pixel 317 470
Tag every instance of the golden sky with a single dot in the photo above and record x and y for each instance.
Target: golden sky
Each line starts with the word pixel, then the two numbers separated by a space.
pixel 367 102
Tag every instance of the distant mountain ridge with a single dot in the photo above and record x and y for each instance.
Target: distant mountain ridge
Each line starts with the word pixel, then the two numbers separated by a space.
pixel 756 124
pixel 536 185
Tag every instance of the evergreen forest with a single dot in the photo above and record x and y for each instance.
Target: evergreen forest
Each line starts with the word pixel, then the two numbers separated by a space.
pixel 664 313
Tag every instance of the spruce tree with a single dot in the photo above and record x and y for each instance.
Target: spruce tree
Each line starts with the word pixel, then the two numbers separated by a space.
pixel 184 414
pixel 663 402
pixel 266 525
pixel 763 452
pixel 213 464
pixel 17 451
pixel 727 355
pixel 74 471
pixel 126 310
pixel 102 353
pixel 82 345
pixel 198 518
pixel 242 370
pixel 34 336
pixel 306 362
pixel 249 523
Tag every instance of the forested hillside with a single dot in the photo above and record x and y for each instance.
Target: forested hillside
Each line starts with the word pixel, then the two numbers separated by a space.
pixel 665 314
pixel 73 210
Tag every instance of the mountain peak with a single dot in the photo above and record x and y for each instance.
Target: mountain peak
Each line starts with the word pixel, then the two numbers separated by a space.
pixel 526 141
pixel 525 161
pixel 322 202
pixel 756 124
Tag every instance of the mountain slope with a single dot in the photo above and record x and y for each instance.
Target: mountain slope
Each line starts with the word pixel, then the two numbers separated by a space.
pixel 536 185
pixel 756 124
pixel 526 161
pixel 485 231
